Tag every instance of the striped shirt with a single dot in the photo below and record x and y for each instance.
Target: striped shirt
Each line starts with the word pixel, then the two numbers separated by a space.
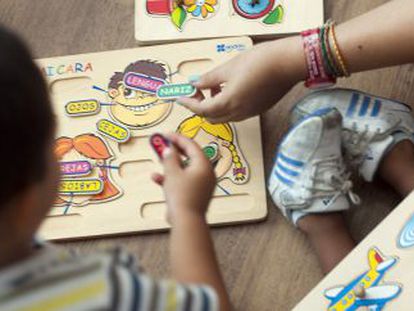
pixel 58 279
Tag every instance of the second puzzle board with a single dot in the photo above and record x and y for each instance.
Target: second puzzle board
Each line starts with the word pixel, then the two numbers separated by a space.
pixel 108 107
pixel 174 20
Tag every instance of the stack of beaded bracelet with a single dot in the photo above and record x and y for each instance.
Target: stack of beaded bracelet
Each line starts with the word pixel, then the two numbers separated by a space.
pixel 323 56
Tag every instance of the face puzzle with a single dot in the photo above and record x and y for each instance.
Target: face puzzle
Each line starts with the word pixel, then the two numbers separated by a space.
pixel 109 106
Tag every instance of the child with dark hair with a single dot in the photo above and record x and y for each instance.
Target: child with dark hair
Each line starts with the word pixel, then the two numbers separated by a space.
pixel 39 276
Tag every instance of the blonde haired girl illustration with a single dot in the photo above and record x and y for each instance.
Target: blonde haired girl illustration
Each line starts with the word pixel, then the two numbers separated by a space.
pixel 220 146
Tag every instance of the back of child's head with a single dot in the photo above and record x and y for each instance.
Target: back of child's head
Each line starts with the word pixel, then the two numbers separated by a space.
pixel 26 119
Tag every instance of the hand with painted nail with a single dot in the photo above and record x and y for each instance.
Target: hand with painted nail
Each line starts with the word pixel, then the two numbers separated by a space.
pixel 187 188
pixel 250 83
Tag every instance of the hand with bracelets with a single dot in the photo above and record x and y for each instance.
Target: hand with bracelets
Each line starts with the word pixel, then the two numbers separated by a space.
pixel 255 80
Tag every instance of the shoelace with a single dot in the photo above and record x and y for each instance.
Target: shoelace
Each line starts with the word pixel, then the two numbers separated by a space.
pixel 357 141
pixel 336 184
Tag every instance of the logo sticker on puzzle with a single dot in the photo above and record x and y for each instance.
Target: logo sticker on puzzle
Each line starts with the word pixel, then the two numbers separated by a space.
pixel 406 238
pixel 81 186
pixel 82 108
pixel 143 83
pixel 174 91
pixel 112 130
pixel 75 168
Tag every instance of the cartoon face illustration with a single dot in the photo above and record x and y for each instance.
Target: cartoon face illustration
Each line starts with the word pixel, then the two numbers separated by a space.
pixel 218 142
pixel 133 94
pixel 85 157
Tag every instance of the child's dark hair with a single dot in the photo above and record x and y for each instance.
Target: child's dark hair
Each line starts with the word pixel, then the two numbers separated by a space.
pixel 146 67
pixel 26 118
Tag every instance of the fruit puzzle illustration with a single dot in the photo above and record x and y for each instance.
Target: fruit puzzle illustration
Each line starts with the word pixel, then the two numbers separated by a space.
pixel 387 284
pixel 109 105
pixel 173 20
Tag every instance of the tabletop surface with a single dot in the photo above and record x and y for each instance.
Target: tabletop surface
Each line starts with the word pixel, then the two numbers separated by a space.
pixel 268 265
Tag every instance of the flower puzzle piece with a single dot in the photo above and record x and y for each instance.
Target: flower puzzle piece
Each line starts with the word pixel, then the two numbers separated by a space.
pixel 180 10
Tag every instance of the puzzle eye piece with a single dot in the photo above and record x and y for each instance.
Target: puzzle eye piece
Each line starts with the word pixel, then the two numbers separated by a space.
pixel 211 151
pixel 128 93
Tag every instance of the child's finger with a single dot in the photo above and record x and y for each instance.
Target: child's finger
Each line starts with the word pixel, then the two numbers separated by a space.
pixel 210 107
pixel 171 160
pixel 189 147
pixel 158 178
pixel 223 119
pixel 215 90
pixel 199 95
pixel 211 79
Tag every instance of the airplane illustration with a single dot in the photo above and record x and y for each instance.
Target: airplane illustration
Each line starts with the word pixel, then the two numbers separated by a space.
pixel 365 290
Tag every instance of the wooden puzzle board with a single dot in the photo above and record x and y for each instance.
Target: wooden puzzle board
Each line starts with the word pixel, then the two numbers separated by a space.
pixel 121 198
pixel 161 21
pixel 394 241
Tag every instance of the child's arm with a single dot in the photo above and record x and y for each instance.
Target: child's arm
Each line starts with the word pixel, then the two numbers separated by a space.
pixel 188 191
pixel 255 80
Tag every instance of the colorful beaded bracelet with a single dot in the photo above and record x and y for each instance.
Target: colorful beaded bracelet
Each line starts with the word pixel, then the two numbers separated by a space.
pixel 324 59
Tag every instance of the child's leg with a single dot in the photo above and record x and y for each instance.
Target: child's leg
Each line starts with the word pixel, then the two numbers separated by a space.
pixel 397 168
pixel 329 234
pixel 329 237
pixel 310 184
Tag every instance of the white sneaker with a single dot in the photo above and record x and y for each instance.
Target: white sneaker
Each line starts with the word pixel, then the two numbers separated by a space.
pixel 371 125
pixel 309 175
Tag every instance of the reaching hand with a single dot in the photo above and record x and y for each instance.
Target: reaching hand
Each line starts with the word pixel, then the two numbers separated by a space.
pixel 250 83
pixel 188 188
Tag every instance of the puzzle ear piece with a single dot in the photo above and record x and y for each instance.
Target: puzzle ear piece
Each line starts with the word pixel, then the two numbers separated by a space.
pixel 113 93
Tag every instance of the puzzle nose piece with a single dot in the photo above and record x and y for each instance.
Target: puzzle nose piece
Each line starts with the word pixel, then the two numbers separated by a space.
pixel 211 151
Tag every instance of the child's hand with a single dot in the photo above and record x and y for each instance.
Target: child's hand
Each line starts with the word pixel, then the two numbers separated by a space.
pixel 253 81
pixel 187 189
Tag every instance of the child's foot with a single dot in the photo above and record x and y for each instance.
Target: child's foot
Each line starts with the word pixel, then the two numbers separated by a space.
pixel 371 125
pixel 309 175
